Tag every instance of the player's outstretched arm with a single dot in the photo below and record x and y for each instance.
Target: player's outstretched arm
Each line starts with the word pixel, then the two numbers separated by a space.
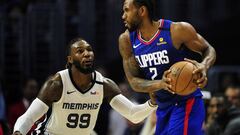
pixel 50 92
pixel 134 113
pixel 132 70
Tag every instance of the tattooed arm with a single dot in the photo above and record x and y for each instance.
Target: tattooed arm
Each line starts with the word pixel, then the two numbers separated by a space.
pixel 132 70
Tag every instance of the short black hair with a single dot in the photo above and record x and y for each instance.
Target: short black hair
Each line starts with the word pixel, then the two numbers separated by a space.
pixel 149 4
pixel 234 86
pixel 73 41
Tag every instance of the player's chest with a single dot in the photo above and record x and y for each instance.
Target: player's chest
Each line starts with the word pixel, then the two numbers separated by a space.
pixel 94 94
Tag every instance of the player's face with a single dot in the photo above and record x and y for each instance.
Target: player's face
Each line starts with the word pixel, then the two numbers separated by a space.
pixel 130 16
pixel 82 57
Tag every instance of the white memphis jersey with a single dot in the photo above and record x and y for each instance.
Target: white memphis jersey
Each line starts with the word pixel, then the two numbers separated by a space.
pixel 75 113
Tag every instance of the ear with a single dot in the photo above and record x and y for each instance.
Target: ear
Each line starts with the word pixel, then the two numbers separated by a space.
pixel 69 59
pixel 142 11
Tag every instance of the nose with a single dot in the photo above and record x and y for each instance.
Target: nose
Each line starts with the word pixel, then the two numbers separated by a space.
pixel 215 109
pixel 86 53
pixel 124 16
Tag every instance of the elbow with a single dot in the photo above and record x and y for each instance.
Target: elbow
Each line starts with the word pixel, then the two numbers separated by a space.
pixel 135 121
pixel 139 88
pixel 134 85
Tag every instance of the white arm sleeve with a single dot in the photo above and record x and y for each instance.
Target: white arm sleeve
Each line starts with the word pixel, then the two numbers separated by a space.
pixel 134 113
pixel 24 123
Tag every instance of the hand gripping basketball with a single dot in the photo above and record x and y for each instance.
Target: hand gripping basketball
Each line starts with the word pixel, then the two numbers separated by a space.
pixel 183 80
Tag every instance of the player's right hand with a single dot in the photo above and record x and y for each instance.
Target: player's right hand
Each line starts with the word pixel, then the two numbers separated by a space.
pixel 166 81
pixel 16 133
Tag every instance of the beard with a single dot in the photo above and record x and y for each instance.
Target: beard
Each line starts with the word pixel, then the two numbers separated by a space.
pixel 134 24
pixel 132 27
pixel 81 69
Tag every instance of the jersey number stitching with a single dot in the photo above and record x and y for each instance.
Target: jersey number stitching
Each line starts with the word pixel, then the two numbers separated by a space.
pixel 84 120
pixel 154 71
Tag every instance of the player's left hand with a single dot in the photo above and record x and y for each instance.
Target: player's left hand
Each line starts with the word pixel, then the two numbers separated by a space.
pixel 200 71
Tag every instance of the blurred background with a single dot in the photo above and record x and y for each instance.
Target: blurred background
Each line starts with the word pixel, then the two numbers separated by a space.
pixel 34 35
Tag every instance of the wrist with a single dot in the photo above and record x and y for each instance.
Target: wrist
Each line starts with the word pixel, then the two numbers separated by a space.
pixel 151 103
pixel 205 65
pixel 158 85
pixel 17 133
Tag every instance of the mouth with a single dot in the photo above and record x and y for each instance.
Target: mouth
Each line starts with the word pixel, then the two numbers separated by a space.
pixel 125 24
pixel 88 62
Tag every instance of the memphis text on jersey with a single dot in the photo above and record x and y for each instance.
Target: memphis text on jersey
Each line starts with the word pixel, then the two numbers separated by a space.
pixel 80 106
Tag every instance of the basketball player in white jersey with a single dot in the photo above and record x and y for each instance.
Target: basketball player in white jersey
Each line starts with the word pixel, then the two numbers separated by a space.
pixel 71 98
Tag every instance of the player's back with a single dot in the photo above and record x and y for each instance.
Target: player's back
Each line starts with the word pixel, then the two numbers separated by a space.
pixel 76 112
pixel 158 55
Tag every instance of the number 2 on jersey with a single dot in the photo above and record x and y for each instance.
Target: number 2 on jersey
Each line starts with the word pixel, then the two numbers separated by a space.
pixel 84 120
pixel 154 71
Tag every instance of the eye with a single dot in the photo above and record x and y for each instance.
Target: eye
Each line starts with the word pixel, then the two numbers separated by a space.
pixel 80 50
pixel 89 49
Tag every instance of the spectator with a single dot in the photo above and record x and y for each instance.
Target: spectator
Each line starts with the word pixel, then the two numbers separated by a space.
pixel 15 110
pixel 233 127
pixel 3 123
pixel 224 117
pixel 232 93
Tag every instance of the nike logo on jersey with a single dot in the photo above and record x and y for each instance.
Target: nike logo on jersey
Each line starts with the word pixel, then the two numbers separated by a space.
pixel 135 46
pixel 69 92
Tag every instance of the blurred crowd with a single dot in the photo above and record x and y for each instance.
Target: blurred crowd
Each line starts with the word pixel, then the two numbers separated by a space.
pixel 222 105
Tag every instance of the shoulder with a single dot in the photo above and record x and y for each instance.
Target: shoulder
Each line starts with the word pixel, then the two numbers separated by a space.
pixel 55 81
pixel 109 82
pixel 182 27
pixel 233 126
pixel 125 44
pixel 182 32
pixel 52 89
pixel 125 35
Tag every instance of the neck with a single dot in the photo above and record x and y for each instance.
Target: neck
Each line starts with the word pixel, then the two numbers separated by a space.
pixel 148 28
pixel 82 80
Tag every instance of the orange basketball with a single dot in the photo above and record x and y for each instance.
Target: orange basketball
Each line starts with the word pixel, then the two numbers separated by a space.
pixel 182 79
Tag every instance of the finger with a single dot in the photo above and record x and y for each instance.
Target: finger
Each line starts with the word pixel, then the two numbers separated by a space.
pixel 201 79
pixel 169 88
pixel 203 84
pixel 171 91
pixel 167 80
pixel 192 61
pixel 167 72
pixel 197 70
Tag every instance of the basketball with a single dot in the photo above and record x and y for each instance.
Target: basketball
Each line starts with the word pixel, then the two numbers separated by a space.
pixel 182 79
